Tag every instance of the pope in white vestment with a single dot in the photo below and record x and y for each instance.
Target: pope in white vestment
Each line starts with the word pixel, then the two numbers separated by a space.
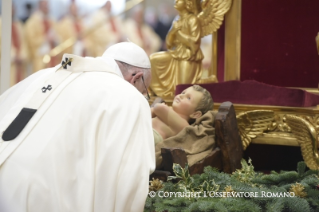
pixel 88 146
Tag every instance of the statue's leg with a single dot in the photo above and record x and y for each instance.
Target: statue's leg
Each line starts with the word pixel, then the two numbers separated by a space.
pixel 189 72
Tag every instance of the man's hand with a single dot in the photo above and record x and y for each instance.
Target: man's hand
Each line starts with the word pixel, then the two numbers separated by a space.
pixel 157 100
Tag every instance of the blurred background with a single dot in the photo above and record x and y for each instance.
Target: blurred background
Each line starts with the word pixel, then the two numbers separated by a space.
pixel 39 26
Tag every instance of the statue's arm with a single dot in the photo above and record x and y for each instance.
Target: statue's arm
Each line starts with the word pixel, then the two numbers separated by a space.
pixel 192 40
pixel 171 35
pixel 168 116
pixel 170 39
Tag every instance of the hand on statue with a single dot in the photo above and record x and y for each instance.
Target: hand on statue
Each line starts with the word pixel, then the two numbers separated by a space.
pixel 153 114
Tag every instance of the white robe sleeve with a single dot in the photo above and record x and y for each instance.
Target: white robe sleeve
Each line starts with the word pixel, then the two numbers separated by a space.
pixel 125 155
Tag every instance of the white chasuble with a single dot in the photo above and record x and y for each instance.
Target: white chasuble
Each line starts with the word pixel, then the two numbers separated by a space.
pixel 87 146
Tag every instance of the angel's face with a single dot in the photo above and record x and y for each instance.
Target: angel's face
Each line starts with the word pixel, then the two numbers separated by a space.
pixel 180 4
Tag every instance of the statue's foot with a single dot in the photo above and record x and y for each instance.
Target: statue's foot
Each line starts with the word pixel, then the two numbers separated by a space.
pixel 210 79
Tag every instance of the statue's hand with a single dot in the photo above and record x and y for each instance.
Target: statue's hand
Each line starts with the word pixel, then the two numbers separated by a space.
pixel 176 26
pixel 171 36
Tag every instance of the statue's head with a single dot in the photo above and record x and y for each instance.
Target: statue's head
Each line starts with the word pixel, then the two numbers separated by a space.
pixel 193 6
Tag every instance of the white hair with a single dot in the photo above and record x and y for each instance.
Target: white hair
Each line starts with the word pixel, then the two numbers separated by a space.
pixel 146 71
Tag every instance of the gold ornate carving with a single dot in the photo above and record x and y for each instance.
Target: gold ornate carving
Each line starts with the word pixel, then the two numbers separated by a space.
pixel 317 41
pixel 282 125
pixel 182 63
pixel 307 137
pixel 292 126
pixel 254 123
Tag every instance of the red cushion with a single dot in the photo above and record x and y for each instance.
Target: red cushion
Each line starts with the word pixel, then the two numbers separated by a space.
pixel 257 93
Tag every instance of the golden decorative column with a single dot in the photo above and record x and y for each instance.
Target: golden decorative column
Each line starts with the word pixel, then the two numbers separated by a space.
pixel 233 42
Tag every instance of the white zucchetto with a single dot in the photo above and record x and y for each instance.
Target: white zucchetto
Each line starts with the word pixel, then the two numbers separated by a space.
pixel 129 53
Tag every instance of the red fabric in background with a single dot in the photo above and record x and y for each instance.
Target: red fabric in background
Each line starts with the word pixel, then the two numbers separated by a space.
pixel 257 93
pixel 278 42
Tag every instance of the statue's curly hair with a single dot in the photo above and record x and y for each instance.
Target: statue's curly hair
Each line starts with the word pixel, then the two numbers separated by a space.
pixel 206 102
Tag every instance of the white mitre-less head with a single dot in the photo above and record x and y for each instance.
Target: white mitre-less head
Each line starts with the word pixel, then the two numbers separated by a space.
pixel 129 53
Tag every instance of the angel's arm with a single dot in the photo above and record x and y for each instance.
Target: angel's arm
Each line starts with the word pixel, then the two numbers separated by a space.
pixel 192 40
pixel 170 39
pixel 171 35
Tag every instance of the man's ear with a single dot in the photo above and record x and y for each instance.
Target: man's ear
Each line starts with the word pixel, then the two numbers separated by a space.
pixel 136 77
pixel 196 115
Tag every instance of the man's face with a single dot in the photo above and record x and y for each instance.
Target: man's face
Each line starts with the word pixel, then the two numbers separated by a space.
pixel 138 78
pixel 108 6
pixel 143 83
pixel 186 102
pixel 73 10
pixel 139 16
pixel 44 7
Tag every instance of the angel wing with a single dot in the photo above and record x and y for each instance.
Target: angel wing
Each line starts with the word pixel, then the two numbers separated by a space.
pixel 212 15
pixel 253 123
pixel 307 139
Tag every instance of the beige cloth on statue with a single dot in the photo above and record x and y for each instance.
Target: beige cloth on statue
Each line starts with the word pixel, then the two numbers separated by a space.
pixel 157 137
pixel 197 140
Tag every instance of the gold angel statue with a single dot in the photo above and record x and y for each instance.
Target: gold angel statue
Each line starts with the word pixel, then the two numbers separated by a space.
pixel 182 63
